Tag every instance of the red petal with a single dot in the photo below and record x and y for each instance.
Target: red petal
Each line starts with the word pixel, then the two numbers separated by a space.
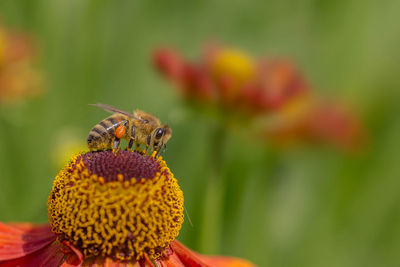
pixel 226 262
pixel 192 259
pixel 27 245
pixel 172 261
pixel 49 256
pixel 75 257
pixel 188 257
pixel 18 240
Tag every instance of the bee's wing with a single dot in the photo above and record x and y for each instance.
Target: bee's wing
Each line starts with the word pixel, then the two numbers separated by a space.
pixel 115 110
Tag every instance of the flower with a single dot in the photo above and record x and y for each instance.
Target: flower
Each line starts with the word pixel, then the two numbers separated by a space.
pixel 192 81
pixel 233 79
pixel 108 210
pixel 270 93
pixel 18 77
pixel 311 120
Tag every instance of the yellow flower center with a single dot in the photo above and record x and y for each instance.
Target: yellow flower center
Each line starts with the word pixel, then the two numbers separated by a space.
pixel 234 64
pixel 122 206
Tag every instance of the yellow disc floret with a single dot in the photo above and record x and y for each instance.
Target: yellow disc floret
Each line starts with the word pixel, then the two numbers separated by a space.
pixel 235 64
pixel 124 206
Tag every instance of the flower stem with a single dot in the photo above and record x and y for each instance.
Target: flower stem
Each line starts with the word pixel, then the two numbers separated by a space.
pixel 213 197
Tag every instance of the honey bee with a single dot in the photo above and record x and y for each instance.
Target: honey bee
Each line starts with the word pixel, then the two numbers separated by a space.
pixel 139 128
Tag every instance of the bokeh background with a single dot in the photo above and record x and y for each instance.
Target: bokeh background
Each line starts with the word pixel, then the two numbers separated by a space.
pixel 292 206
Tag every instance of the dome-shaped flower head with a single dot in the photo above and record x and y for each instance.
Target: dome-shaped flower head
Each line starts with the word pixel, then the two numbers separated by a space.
pixel 233 79
pixel 18 77
pixel 108 210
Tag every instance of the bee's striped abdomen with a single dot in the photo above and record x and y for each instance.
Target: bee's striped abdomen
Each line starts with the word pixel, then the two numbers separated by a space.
pixel 102 134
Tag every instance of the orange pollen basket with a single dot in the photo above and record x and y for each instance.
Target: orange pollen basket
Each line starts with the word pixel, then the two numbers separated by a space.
pixel 120 131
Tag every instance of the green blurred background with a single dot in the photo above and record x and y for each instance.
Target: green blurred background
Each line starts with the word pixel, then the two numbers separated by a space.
pixel 309 206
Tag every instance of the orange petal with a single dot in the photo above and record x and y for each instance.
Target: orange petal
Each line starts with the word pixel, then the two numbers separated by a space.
pixel 75 257
pixel 188 257
pixel 50 255
pixel 172 261
pixel 192 259
pixel 18 240
pixel 226 262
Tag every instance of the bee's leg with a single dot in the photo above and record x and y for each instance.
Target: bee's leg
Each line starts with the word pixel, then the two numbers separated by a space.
pixel 148 144
pixel 116 145
pixel 161 147
pixel 137 148
pixel 130 144
pixel 132 139
pixel 156 151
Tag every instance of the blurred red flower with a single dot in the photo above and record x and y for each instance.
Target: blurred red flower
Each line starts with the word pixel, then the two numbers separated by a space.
pixel 232 79
pixel 269 90
pixel 310 120
pixel 18 77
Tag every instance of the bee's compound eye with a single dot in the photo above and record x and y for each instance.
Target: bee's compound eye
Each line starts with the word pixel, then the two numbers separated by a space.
pixel 159 133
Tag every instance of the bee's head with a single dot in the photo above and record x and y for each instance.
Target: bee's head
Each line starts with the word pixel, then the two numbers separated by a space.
pixel 162 134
